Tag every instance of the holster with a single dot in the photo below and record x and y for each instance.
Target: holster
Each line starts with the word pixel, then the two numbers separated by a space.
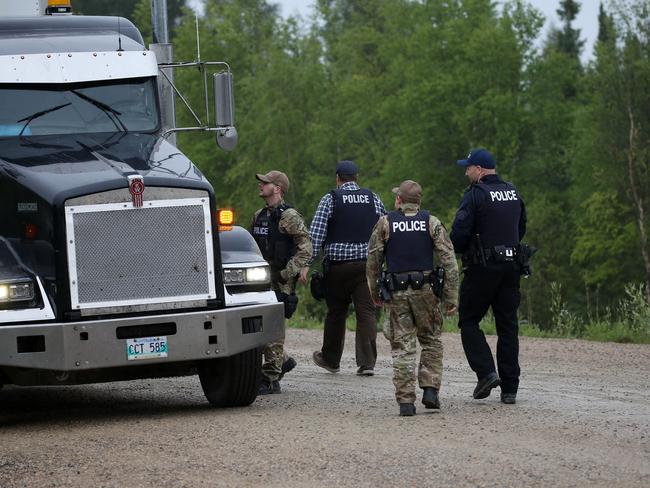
pixel 524 254
pixel 385 287
pixel 437 281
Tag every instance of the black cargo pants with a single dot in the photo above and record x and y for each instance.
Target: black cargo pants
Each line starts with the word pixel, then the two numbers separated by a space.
pixel 495 285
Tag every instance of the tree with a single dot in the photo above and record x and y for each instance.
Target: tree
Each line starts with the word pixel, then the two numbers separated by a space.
pixel 617 124
pixel 102 7
pixel 567 40
pixel 279 89
pixel 138 12
pixel 606 32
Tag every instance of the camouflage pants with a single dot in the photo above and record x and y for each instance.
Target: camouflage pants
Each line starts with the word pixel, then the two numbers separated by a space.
pixel 414 313
pixel 274 354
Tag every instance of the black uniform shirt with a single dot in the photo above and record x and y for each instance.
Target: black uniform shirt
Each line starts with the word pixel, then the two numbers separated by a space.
pixel 464 226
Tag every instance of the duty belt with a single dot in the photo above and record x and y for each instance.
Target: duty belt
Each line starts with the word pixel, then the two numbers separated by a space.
pixel 402 281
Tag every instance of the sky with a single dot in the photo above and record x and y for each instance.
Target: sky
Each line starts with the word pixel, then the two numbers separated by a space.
pixel 587 20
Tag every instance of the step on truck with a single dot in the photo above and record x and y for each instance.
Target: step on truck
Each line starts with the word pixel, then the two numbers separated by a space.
pixel 115 261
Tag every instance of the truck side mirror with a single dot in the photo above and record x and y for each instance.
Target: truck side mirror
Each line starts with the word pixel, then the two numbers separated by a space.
pixel 224 109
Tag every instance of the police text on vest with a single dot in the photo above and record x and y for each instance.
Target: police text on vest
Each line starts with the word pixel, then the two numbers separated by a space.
pixel 503 196
pixel 410 226
pixel 356 199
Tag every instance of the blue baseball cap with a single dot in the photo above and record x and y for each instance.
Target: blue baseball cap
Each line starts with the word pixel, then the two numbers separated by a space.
pixel 346 168
pixel 479 157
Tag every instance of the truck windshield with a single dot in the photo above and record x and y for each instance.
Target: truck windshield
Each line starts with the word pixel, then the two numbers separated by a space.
pixel 78 108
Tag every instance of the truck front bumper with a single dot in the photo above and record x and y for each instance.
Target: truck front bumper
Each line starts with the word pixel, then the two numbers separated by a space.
pixel 91 345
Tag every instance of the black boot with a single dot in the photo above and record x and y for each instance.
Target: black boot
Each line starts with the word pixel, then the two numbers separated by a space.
pixel 508 398
pixel 430 397
pixel 406 409
pixel 485 385
pixel 268 387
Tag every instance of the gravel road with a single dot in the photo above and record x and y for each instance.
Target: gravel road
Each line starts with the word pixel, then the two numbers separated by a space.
pixel 582 419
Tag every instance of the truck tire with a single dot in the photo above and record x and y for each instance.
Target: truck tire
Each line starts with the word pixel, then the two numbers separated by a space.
pixel 232 381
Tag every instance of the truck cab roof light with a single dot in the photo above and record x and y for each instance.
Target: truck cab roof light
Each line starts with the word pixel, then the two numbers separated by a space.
pixel 225 219
pixel 58 7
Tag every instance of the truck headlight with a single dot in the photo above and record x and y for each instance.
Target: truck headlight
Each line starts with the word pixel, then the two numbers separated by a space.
pixel 246 276
pixel 16 291
pixel 257 275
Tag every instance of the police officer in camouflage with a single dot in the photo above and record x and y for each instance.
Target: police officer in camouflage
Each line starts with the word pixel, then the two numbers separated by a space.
pixel 406 239
pixel 487 231
pixel 283 238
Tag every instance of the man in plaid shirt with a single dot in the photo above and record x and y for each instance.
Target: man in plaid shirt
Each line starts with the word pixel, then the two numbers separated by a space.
pixel 341 227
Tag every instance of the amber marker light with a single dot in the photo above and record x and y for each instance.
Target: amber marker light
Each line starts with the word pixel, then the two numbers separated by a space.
pixel 30 231
pixel 225 219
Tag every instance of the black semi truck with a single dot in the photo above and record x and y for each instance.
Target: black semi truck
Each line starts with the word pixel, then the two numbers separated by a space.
pixel 112 263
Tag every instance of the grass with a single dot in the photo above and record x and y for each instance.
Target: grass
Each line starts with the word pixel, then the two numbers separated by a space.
pixel 629 322
pixel 600 332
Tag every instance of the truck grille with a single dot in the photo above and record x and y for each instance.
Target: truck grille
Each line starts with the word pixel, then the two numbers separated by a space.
pixel 119 255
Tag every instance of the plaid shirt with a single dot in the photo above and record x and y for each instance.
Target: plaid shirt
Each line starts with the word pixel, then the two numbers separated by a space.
pixel 338 251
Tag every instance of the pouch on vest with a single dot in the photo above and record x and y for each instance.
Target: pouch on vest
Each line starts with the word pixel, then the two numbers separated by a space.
pixel 400 281
pixel 416 280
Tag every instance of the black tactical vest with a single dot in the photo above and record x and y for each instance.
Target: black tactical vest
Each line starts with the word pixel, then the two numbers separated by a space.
pixel 353 216
pixel 277 247
pixel 498 214
pixel 409 246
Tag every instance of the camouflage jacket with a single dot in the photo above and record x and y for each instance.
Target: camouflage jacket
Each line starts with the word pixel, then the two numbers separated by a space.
pixel 292 223
pixel 442 246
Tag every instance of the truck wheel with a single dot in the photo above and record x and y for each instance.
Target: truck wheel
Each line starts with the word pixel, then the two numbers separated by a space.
pixel 232 381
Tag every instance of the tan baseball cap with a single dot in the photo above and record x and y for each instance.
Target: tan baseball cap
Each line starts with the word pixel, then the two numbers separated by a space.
pixel 276 177
pixel 409 191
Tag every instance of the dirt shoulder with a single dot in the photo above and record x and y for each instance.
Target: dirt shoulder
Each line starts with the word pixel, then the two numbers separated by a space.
pixel 582 419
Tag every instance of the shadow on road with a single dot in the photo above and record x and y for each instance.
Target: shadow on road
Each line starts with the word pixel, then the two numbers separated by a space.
pixel 50 405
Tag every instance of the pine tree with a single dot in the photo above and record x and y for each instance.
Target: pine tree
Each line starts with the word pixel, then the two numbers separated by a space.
pixel 566 40
pixel 606 31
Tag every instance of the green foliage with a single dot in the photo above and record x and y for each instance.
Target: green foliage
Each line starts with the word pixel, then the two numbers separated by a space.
pixel 612 157
pixel 139 12
pixel 122 8
pixel 563 321
pixel 635 310
pixel 603 261
pixel 567 40
pixel 606 32
pixel 407 87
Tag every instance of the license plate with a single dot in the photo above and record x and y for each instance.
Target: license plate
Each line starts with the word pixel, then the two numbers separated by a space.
pixel 146 348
